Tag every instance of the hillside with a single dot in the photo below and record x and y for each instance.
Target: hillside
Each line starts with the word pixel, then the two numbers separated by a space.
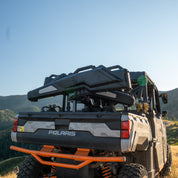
pixel 20 103
pixel 6 142
pixel 172 132
pixel 172 106
pixel 6 124
pixel 6 119
pixel 8 164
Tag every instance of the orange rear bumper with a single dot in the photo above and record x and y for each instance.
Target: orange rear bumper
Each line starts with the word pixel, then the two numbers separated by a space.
pixel 79 156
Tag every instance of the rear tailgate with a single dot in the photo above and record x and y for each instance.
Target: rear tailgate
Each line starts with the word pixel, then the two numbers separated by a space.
pixel 68 129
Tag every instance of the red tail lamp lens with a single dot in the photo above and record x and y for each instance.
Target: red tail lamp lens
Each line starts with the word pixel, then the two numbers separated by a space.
pixel 15 125
pixel 125 129
pixel 125 125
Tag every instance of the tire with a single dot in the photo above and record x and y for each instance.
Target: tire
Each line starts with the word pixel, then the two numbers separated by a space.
pixel 31 168
pixel 167 167
pixel 132 170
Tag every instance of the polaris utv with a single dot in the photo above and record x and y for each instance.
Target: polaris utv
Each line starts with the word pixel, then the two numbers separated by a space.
pixel 109 125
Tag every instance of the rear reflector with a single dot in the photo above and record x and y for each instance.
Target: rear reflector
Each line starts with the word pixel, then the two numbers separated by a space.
pixel 15 125
pixel 125 129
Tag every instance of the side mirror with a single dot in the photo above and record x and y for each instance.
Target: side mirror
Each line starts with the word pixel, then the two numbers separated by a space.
pixel 164 98
pixel 164 113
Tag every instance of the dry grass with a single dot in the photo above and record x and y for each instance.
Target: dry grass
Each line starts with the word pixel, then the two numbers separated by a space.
pixel 10 175
pixel 174 167
pixel 175 161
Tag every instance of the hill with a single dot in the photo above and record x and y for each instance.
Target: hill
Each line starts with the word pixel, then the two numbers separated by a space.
pixel 20 103
pixel 8 164
pixel 9 105
pixel 172 105
pixel 6 124
pixel 6 119
pixel 6 142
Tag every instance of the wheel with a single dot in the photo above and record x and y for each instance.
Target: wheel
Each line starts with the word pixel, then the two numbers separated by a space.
pixel 167 167
pixel 132 170
pixel 31 168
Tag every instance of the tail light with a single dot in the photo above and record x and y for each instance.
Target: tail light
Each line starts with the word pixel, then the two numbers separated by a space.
pixel 125 129
pixel 15 125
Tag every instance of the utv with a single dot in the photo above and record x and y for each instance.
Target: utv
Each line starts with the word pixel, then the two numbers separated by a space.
pixel 109 125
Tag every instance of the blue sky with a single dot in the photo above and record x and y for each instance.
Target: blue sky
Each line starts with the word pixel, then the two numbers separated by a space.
pixel 40 38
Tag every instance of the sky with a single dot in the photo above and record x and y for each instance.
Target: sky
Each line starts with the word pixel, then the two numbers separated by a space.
pixel 44 37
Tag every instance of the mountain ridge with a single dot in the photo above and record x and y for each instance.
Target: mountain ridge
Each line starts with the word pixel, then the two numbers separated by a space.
pixel 20 103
